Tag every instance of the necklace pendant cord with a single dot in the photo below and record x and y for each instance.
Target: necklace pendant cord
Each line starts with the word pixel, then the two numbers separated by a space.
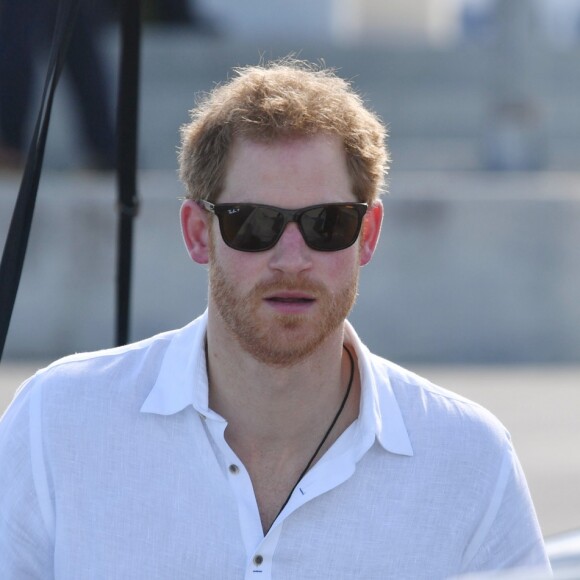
pixel 326 435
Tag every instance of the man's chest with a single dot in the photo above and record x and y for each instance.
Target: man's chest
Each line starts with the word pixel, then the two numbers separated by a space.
pixel 181 508
pixel 199 533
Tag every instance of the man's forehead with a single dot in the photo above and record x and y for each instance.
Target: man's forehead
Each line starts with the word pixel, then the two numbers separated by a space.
pixel 316 151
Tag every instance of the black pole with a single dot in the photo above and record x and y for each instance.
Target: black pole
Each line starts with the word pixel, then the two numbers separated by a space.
pixel 127 121
pixel 19 231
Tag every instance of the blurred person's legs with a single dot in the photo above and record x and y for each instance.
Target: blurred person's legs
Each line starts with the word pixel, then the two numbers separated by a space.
pixel 25 27
pixel 18 27
pixel 87 72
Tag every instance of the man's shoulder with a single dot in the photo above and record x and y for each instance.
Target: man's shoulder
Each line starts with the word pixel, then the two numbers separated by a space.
pixel 123 373
pixel 99 363
pixel 431 409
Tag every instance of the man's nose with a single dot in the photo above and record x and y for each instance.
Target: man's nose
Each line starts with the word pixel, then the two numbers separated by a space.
pixel 291 254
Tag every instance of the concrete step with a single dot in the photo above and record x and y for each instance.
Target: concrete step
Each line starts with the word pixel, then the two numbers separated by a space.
pixel 439 104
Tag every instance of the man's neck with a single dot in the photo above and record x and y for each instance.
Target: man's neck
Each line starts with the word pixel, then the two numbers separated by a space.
pixel 269 403
pixel 277 416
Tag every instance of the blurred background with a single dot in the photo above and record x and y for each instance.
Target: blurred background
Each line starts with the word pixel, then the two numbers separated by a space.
pixel 476 282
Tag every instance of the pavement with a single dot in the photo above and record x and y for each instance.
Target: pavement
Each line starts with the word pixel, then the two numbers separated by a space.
pixel 539 405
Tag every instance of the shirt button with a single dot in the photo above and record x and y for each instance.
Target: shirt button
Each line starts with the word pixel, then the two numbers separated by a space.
pixel 234 469
pixel 258 559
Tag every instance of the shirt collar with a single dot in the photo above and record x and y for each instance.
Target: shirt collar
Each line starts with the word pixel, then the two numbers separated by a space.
pixel 182 378
pixel 182 381
pixel 380 413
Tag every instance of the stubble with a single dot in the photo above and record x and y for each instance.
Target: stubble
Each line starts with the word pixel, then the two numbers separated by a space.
pixel 273 338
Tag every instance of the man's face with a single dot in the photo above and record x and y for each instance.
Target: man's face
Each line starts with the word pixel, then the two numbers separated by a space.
pixel 281 304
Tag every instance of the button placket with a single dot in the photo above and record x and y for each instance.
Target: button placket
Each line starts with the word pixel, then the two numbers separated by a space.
pixel 260 559
pixel 249 517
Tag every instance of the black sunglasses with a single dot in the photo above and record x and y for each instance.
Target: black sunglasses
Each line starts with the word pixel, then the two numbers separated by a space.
pixel 252 227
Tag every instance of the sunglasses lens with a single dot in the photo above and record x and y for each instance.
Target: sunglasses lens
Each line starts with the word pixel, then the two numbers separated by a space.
pixel 254 228
pixel 250 228
pixel 331 228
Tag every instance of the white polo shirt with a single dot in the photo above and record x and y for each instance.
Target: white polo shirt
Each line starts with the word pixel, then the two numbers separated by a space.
pixel 112 466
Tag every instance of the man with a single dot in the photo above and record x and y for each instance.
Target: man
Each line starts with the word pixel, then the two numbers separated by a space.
pixel 263 438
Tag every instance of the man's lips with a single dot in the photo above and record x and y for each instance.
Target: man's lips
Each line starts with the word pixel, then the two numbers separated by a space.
pixel 290 298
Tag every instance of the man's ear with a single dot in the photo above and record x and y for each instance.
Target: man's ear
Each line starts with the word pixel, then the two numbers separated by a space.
pixel 194 228
pixel 371 231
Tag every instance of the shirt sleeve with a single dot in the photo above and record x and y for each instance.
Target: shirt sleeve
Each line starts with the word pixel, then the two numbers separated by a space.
pixel 25 543
pixel 509 534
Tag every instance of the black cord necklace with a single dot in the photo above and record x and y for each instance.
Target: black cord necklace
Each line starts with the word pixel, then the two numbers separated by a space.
pixel 326 435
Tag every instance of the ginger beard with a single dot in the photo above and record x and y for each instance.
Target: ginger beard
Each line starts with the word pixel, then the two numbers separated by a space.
pixel 273 338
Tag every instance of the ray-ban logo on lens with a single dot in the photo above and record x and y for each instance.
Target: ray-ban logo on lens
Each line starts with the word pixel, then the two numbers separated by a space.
pixel 233 210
